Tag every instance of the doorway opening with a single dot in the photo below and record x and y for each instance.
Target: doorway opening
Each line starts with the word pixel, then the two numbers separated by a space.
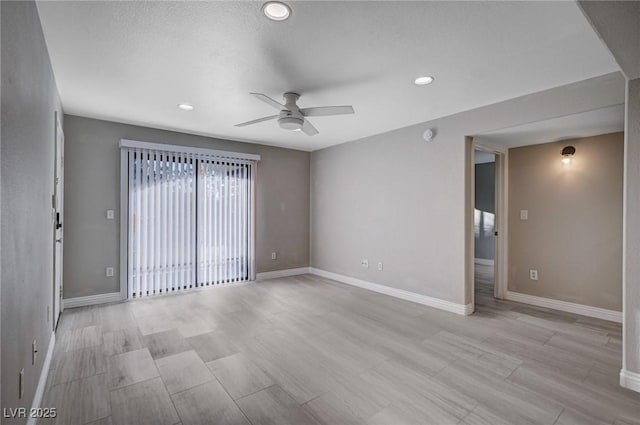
pixel 486 218
pixel 484 223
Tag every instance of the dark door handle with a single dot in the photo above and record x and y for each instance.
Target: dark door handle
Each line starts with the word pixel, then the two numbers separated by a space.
pixel 58 222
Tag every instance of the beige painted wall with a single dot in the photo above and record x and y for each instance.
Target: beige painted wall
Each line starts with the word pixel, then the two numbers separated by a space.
pixel 92 185
pixel 573 236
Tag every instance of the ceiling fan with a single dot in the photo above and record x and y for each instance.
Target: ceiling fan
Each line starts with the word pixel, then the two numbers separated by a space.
pixel 293 118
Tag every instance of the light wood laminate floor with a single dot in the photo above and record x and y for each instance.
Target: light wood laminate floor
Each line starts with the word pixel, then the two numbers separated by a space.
pixel 306 350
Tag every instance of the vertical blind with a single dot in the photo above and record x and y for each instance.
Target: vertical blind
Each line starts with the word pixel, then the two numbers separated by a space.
pixel 190 221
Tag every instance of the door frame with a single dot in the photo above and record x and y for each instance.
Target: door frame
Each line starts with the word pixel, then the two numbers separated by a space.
pixel 57 205
pixel 124 222
pixel 501 267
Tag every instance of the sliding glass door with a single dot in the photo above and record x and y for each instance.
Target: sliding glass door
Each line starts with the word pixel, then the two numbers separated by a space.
pixel 223 222
pixel 189 221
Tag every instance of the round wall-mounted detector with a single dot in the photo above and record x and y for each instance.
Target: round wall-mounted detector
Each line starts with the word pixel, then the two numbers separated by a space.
pixel 429 134
pixel 276 11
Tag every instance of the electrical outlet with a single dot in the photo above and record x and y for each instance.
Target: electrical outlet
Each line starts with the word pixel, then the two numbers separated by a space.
pixel 34 352
pixel 21 384
pixel 365 263
pixel 109 271
pixel 274 255
pixel 110 214
pixel 380 266
pixel 533 274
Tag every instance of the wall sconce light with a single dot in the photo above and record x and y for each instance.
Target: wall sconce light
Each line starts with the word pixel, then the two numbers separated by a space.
pixel 567 153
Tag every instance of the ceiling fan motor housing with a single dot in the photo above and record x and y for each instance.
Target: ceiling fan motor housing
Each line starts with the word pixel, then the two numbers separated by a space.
pixel 291 118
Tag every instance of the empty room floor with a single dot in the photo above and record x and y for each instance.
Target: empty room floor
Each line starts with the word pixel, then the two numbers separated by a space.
pixel 306 350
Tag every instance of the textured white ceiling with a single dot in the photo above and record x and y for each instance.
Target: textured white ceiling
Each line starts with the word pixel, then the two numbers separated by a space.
pixel 134 61
pixel 585 124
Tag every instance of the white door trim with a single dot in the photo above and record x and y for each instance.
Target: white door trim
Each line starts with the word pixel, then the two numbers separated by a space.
pixel 502 241
pixel 57 205
pixel 124 221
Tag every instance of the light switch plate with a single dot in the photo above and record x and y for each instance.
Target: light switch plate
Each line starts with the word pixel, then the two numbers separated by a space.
pixel 524 214
pixel 110 214
pixel 109 271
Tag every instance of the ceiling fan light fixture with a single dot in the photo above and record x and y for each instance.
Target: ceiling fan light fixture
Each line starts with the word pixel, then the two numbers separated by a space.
pixel 291 123
pixel 276 11
pixel 423 81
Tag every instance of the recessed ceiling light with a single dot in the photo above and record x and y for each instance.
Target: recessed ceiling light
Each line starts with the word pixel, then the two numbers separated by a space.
pixel 276 11
pixel 185 106
pixel 423 81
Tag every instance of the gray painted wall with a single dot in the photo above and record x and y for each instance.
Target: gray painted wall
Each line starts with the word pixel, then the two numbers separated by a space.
pixel 485 196
pixel 573 235
pixel 29 100
pixel 92 185
pixel 397 199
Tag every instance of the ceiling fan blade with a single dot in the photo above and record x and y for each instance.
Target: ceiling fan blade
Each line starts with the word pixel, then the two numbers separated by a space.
pixel 308 128
pixel 244 124
pixel 266 99
pixel 324 111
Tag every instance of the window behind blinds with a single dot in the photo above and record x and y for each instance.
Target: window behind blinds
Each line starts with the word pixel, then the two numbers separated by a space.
pixel 190 221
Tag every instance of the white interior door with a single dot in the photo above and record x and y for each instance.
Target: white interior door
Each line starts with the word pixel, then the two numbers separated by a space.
pixel 58 203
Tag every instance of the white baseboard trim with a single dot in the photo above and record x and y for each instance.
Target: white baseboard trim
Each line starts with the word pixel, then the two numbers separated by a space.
pixel 397 293
pixel 42 382
pixel 630 380
pixel 584 310
pixel 92 300
pixel 484 261
pixel 281 273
